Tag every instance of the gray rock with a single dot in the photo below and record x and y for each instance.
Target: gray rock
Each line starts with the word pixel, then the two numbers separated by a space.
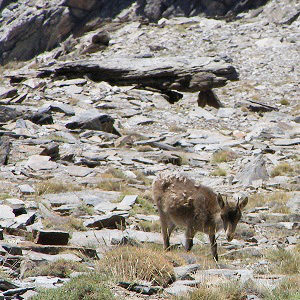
pixel 49 237
pixel 178 289
pixel 8 114
pixel 111 220
pixel 93 120
pixel 41 162
pixel 5 147
pixel 184 272
pixel 287 142
pixel 56 106
pixel 252 171
pixel 7 92
pixel 294 203
pixel 26 189
pixel 127 202
pixel 78 171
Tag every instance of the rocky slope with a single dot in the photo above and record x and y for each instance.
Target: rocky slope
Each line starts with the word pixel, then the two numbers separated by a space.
pixel 82 137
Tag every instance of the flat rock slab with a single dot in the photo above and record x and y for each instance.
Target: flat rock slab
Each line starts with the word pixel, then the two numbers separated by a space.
pixel 164 73
pixel 105 236
pixel 286 142
pixel 35 256
pixel 127 202
pixel 78 171
pixel 111 220
pixel 88 197
pixel 6 212
pixel 252 171
pixel 41 162
pixel 47 237
pixel 93 120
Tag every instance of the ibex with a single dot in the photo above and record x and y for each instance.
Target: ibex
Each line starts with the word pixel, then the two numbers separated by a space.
pixel 180 201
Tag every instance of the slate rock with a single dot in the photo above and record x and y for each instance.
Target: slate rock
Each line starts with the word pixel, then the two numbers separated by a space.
pixel 51 149
pixel 7 92
pixel 93 120
pixel 49 237
pixel 40 118
pixel 41 162
pixel 294 203
pixel 111 220
pixel 140 288
pixel 178 289
pixel 6 212
pixel 252 171
pixel 184 272
pixel 56 106
pixel 8 114
pixel 5 147
pixel 127 202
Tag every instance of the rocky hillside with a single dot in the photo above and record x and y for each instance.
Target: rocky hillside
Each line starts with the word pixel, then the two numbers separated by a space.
pixel 118 98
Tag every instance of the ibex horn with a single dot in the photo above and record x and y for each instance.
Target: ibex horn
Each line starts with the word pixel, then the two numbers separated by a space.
pixel 238 202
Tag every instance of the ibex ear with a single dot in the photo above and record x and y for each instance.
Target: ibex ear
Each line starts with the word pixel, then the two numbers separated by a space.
pixel 242 203
pixel 220 201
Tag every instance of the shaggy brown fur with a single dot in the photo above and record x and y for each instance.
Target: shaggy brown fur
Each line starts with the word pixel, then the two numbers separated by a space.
pixel 181 201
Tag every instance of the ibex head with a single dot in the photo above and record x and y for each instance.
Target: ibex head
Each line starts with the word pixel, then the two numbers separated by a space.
pixel 231 214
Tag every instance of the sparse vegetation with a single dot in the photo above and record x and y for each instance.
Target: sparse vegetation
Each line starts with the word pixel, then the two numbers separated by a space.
pixel 275 200
pixel 284 102
pixel 288 289
pixel 226 291
pixel 144 205
pixel 61 268
pixel 223 156
pixel 149 226
pixel 282 169
pixel 218 172
pixel 144 148
pixel 53 186
pixel 284 261
pixel 136 264
pixel 93 286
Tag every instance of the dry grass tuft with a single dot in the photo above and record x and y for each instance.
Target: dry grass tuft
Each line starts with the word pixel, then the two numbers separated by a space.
pixel 281 169
pixel 226 291
pixel 135 264
pixel 53 186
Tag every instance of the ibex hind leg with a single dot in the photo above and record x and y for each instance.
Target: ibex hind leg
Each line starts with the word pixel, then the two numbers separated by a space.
pixel 213 246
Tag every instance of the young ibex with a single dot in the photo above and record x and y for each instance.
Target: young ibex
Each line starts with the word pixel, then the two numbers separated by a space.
pixel 180 201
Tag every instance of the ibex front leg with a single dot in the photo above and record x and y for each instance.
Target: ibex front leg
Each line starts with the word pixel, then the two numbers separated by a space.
pixel 189 235
pixel 213 245
pixel 166 228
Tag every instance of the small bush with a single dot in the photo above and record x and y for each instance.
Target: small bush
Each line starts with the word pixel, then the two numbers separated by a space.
pixel 281 169
pixel 219 172
pixel 92 286
pixel 223 156
pixel 136 264
pixel 60 268
pixel 284 102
